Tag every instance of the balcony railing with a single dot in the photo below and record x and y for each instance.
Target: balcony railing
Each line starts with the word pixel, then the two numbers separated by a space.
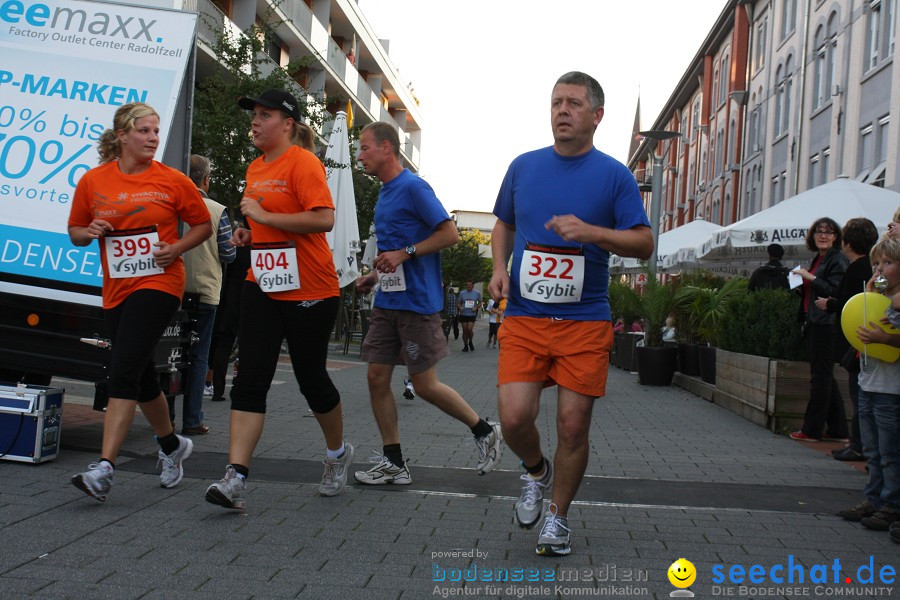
pixel 212 21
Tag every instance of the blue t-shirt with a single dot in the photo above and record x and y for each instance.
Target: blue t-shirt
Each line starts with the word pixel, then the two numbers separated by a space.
pixel 408 212
pixel 594 187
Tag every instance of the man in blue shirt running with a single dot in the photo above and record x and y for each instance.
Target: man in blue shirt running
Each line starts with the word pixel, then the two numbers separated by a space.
pixel 560 212
pixel 412 227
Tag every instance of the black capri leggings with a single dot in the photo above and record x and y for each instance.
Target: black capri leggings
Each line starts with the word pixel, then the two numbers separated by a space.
pixel 264 322
pixel 135 326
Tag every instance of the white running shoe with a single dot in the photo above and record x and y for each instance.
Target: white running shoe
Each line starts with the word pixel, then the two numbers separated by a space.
pixel 384 472
pixel 489 448
pixel 228 491
pixel 530 504
pixel 96 481
pixel 335 476
pixel 172 469
pixel 555 538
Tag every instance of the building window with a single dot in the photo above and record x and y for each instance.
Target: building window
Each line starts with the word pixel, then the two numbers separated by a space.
pixel 830 52
pixel 716 212
pixel 748 195
pixel 788 82
pixel 732 142
pixel 273 45
pixel 826 156
pixel 880 32
pixel 814 168
pixel 752 131
pixel 779 99
pixel 754 205
pixel 783 185
pixel 775 187
pixel 723 81
pixel 759 52
pixel 866 152
pixel 714 91
pixel 788 18
pixel 720 145
pixel 882 141
pixel 696 125
pixel 821 93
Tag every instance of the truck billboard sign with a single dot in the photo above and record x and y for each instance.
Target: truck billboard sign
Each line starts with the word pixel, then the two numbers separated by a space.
pixel 67 65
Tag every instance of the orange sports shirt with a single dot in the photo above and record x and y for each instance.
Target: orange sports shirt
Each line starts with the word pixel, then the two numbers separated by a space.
pixel 158 196
pixel 292 183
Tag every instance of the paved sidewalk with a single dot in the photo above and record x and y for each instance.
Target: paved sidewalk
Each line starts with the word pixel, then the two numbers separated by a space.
pixel 670 475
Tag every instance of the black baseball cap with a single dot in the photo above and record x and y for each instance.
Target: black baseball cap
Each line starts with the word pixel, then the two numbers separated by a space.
pixel 775 250
pixel 283 101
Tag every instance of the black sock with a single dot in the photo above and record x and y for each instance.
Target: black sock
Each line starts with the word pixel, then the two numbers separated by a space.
pixel 536 468
pixel 393 453
pixel 169 443
pixel 241 470
pixel 481 428
pixel 111 463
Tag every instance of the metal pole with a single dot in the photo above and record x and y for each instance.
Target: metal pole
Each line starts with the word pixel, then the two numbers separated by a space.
pixel 655 202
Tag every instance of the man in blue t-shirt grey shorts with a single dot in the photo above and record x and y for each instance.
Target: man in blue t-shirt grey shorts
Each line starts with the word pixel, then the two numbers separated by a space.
pixel 411 228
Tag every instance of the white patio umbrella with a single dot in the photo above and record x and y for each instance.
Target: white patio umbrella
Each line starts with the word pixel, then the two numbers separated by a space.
pixel 371 249
pixel 688 235
pixel 787 223
pixel 344 237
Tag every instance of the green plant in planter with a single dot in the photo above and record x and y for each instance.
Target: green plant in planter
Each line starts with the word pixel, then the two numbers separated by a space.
pixel 623 303
pixel 707 306
pixel 687 304
pixel 654 305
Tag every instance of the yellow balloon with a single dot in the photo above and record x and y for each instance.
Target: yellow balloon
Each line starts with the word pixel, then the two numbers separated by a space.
pixel 859 311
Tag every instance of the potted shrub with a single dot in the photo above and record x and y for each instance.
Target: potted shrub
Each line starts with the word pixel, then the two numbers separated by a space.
pixel 623 304
pixel 711 308
pixel 687 309
pixel 656 363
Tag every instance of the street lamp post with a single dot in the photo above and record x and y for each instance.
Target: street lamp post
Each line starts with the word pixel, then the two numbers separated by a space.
pixel 657 135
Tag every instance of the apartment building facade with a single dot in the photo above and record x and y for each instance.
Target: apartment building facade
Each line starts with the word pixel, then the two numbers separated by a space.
pixel 347 61
pixel 782 96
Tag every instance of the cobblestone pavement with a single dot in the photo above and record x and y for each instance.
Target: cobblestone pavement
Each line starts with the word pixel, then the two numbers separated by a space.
pixel 670 475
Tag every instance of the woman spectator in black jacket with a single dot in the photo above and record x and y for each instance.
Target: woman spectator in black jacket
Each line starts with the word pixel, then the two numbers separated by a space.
pixel 825 417
pixel 858 237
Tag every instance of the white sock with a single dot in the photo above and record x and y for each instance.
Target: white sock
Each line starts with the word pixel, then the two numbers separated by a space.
pixel 335 453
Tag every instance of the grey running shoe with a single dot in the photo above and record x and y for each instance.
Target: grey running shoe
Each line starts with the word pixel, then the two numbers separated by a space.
pixel 228 491
pixel 530 504
pixel 555 538
pixel 409 392
pixel 489 449
pixel 335 476
pixel 172 471
pixel 96 481
pixel 384 472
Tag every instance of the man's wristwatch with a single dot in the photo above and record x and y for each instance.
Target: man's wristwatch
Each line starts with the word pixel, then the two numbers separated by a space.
pixel 411 251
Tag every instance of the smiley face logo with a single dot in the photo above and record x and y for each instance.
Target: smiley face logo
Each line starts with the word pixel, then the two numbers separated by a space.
pixel 682 573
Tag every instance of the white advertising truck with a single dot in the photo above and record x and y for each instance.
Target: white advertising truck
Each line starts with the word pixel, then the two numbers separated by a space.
pixel 65 67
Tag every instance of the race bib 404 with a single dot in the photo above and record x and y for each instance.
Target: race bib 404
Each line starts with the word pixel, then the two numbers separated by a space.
pixel 551 274
pixel 129 253
pixel 274 265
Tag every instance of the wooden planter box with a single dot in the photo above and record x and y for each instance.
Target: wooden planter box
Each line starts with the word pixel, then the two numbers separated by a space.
pixel 771 393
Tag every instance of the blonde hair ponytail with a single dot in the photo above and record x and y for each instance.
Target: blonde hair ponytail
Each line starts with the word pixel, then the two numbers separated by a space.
pixel 108 146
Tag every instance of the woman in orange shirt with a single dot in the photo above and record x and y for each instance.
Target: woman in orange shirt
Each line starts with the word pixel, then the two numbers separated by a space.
pixel 291 291
pixel 131 205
